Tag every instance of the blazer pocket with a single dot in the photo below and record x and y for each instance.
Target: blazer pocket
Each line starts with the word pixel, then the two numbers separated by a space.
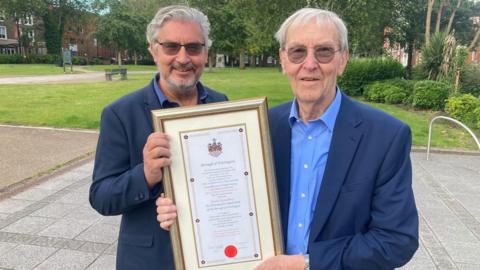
pixel 136 240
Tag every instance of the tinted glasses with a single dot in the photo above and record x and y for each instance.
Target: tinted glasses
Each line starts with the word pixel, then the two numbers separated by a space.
pixel 323 54
pixel 172 48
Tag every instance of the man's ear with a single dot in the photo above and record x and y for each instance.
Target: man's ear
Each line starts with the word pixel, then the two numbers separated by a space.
pixel 344 61
pixel 283 58
pixel 153 53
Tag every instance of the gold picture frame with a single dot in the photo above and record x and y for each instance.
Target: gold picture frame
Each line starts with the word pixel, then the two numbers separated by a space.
pixel 222 181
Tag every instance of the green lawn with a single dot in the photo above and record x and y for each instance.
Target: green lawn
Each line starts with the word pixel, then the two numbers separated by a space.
pixel 79 105
pixel 11 70
pixel 128 67
pixel 8 70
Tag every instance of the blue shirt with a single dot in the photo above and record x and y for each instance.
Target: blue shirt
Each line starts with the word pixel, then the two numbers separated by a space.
pixel 310 145
pixel 202 94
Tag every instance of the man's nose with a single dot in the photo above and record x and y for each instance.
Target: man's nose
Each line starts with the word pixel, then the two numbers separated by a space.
pixel 310 61
pixel 182 56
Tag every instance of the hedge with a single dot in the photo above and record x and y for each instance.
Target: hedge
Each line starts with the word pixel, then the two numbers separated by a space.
pixel 463 108
pixel 430 94
pixel 362 71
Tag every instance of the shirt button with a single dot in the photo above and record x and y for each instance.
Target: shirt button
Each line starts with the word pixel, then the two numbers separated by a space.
pixel 303 195
pixel 300 225
pixel 309 137
pixel 305 166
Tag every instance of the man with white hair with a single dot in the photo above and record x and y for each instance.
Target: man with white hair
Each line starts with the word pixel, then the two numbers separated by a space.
pixel 343 169
pixel 130 156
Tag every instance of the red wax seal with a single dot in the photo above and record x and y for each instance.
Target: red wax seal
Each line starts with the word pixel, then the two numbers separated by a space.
pixel 230 251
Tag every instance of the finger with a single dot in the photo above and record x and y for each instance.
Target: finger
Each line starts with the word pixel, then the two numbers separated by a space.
pixel 166 225
pixel 166 217
pixel 162 201
pixel 158 152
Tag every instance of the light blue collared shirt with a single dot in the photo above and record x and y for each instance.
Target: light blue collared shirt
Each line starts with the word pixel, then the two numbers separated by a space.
pixel 310 146
pixel 202 94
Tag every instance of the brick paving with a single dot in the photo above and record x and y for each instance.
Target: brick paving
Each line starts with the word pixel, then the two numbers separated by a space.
pixel 51 225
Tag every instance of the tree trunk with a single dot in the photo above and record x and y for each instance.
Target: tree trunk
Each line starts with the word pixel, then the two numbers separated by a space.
pixel 472 45
pixel 242 59
pixel 119 58
pixel 253 61
pixel 135 57
pixel 428 21
pixel 211 59
pixel 408 69
pixel 450 21
pixel 441 11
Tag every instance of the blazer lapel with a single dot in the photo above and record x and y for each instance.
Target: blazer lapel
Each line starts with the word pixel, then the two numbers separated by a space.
pixel 345 140
pixel 281 142
pixel 151 102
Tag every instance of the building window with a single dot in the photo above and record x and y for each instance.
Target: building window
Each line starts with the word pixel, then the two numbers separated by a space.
pixel 28 20
pixel 3 32
pixel 2 15
pixel 31 35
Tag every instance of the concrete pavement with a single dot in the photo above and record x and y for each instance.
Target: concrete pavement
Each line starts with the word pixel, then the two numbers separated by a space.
pixel 51 225
pixel 28 152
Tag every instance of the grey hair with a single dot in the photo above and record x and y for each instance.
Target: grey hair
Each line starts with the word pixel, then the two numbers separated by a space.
pixel 178 13
pixel 304 15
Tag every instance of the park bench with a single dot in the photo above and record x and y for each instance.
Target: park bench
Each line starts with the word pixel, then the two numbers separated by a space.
pixel 110 72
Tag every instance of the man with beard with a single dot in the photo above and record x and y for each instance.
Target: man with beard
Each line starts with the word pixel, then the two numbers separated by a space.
pixel 130 156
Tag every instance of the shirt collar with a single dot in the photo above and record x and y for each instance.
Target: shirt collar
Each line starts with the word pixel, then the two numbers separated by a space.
pixel 328 117
pixel 202 92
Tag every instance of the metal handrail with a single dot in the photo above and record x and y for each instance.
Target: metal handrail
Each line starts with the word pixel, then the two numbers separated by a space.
pixel 453 120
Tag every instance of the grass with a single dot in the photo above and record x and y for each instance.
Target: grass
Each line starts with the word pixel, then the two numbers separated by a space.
pixel 10 70
pixel 128 67
pixel 80 105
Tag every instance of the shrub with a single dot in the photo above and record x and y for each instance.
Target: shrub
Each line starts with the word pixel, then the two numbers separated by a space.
pixel 363 71
pixel 12 59
pixel 79 60
pixel 386 91
pixel 395 95
pixel 463 108
pixel 430 94
pixel 470 80
pixel 44 58
pixel 477 116
pixel 96 61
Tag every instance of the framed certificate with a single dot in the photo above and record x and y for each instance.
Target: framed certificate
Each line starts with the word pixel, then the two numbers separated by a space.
pixel 223 184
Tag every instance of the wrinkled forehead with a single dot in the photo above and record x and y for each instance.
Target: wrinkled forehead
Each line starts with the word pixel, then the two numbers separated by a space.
pixel 315 31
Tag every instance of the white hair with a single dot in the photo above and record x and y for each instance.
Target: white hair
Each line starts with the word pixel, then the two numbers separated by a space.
pixel 304 15
pixel 178 13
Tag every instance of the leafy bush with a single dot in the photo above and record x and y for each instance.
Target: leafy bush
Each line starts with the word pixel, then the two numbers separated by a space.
pixel 462 108
pixel 430 94
pixel 44 58
pixel 96 61
pixel 79 60
pixel 477 116
pixel 395 95
pixel 390 91
pixel 419 73
pixel 470 79
pixel 12 59
pixel 363 71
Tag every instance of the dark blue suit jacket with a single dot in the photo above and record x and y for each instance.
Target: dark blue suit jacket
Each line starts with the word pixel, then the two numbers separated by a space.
pixel 119 186
pixel 365 217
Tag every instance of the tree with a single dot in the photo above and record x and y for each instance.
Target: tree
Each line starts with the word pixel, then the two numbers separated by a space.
pixel 428 20
pixel 18 10
pixel 55 14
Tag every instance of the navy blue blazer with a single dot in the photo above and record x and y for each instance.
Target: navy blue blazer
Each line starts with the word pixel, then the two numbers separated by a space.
pixel 365 217
pixel 119 186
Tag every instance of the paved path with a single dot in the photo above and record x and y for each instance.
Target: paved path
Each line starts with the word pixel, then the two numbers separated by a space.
pixel 26 152
pixel 51 226
pixel 62 78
